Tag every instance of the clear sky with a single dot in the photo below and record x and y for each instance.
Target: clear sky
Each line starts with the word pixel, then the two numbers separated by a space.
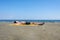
pixel 30 9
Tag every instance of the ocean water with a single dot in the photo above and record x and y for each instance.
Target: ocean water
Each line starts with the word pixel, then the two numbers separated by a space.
pixel 31 20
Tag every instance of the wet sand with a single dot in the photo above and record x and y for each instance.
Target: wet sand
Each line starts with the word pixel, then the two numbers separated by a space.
pixel 48 31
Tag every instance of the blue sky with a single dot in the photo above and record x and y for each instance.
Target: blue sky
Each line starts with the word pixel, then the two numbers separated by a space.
pixel 30 9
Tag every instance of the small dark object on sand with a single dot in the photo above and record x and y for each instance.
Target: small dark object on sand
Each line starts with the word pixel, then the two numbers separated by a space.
pixel 15 22
pixel 27 23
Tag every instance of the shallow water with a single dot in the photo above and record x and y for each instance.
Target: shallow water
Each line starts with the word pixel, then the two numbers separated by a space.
pixel 48 31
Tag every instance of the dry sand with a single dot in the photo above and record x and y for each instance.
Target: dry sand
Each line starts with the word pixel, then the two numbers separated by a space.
pixel 48 31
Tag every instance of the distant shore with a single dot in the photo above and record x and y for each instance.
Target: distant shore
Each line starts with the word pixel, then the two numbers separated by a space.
pixel 31 20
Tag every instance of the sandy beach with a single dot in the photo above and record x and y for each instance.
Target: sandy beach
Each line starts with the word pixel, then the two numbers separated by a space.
pixel 48 31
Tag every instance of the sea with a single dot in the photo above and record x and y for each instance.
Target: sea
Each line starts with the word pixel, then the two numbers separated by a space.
pixel 31 20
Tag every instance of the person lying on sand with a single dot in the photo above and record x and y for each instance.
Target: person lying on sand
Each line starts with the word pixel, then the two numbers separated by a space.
pixel 22 22
pixel 27 23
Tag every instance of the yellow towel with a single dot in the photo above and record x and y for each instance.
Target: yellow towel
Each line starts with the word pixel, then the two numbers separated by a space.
pixel 22 25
